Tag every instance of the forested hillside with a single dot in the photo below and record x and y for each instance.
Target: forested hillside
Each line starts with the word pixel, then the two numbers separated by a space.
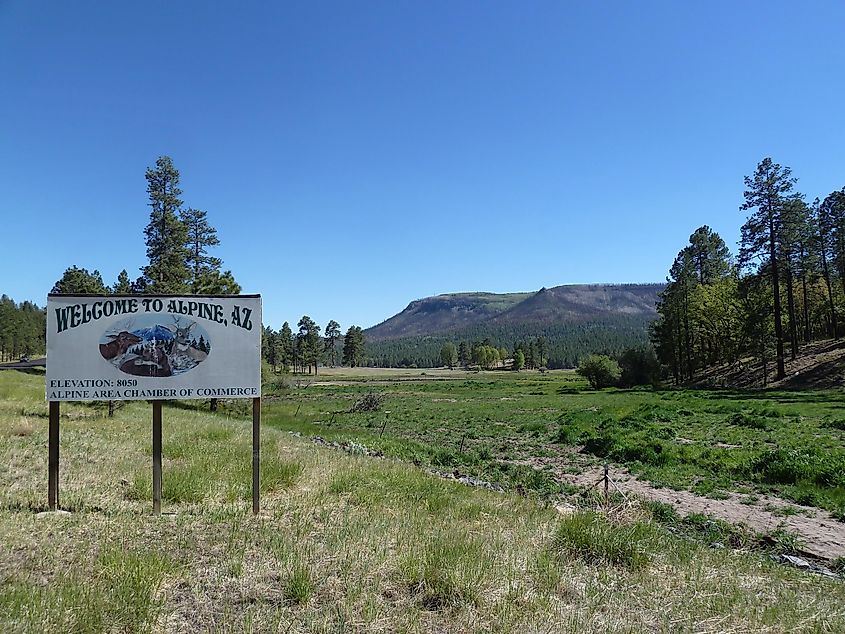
pixel 784 290
pixel 555 327
pixel 22 329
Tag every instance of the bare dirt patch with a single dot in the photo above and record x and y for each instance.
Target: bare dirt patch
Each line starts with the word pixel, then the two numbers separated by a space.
pixel 822 535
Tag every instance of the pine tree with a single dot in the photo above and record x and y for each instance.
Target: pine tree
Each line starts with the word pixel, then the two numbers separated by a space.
pixel 78 281
pixel 123 286
pixel 353 346
pixel 286 349
pixel 166 235
pixel 766 192
pixel 824 229
pixel 332 335
pixel 200 237
pixel 309 336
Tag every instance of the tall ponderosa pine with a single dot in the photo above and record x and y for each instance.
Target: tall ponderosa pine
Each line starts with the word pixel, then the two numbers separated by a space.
pixel 166 235
pixel 691 332
pixel 353 346
pixel 332 336
pixel 824 222
pixel 200 237
pixel 286 346
pixel 309 339
pixel 766 191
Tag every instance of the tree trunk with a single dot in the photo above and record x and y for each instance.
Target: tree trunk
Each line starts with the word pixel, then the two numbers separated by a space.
pixel 781 369
pixel 687 340
pixel 806 308
pixel 793 325
pixel 826 272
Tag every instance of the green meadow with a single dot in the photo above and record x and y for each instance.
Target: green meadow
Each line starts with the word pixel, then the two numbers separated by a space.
pixel 495 425
pixel 351 543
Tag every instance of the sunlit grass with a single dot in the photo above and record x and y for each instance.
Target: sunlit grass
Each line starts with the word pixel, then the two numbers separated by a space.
pixel 343 543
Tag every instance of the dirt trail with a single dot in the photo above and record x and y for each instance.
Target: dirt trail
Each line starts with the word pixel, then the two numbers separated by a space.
pixel 821 534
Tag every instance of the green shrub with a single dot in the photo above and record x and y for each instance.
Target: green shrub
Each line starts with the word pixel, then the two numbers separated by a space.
pixel 600 370
pixel 741 419
pixel 793 466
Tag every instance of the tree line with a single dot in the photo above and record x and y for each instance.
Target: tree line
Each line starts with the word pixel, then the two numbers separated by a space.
pixel 564 343
pixel 305 350
pixel 22 329
pixel 785 287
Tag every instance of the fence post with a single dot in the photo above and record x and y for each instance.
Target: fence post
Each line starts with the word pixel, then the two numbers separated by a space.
pixel 606 484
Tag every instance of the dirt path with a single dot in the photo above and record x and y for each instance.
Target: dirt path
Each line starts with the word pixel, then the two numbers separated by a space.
pixel 821 534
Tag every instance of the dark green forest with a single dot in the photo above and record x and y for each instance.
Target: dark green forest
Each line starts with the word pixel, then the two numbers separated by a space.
pixel 22 329
pixel 565 343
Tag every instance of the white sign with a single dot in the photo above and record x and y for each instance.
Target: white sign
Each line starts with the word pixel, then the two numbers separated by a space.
pixel 147 347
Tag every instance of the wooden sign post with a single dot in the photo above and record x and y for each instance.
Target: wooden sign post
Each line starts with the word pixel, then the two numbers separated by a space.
pixel 53 458
pixel 156 457
pixel 256 454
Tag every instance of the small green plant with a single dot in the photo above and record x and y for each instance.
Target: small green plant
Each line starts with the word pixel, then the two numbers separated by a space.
pixel 298 585
pixel 662 512
pixel 782 541
pixel 278 474
pixel 443 570
pixel 590 536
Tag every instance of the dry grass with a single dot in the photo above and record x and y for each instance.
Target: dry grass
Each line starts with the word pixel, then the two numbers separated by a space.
pixel 343 543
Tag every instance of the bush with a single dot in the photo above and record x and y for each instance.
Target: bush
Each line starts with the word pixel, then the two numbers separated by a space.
pixel 600 370
pixel 639 366
pixel 794 466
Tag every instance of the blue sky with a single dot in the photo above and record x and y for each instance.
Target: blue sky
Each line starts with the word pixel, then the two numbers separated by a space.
pixel 356 156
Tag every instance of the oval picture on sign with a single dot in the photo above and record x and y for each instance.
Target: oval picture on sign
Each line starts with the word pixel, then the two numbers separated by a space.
pixel 155 345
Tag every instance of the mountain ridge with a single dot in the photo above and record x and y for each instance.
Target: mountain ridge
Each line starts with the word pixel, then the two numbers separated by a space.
pixel 572 319
pixel 451 312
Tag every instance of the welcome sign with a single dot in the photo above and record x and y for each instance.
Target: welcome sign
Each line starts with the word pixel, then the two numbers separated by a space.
pixel 153 347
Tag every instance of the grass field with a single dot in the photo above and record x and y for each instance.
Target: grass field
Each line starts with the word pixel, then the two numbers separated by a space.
pixel 350 543
pixel 791 444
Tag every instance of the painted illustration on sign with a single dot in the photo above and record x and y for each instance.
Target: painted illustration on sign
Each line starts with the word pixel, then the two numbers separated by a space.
pixel 144 346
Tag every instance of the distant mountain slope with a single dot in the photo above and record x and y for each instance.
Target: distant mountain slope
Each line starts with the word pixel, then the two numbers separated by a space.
pixel 452 312
pixel 583 301
pixel 444 313
pixel 574 320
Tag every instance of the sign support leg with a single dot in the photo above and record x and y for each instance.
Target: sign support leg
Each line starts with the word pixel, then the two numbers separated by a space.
pixel 256 453
pixel 53 458
pixel 156 457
